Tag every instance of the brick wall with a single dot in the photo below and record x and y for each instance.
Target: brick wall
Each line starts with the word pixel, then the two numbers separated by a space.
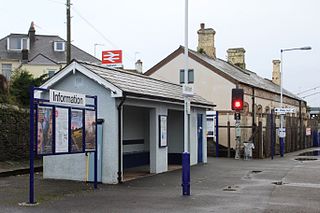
pixel 14 133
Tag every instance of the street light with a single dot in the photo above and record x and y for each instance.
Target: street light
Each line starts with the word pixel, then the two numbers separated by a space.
pixel 186 154
pixel 282 132
pixel 95 48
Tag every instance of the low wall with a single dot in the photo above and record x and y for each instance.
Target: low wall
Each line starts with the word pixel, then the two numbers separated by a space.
pixel 14 133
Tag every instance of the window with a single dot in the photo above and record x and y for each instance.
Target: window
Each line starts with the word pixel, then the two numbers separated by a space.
pixel 51 73
pixel 17 43
pixel 7 71
pixel 190 76
pixel 59 46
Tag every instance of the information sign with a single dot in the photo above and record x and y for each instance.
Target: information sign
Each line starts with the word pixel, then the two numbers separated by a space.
pixel 57 126
pixel 308 131
pixel 282 132
pixel 67 98
pixel 188 90
pixel 282 111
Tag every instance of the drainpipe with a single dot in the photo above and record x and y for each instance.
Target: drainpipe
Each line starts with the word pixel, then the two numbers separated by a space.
pixel 301 126
pixel 253 112
pixel 120 138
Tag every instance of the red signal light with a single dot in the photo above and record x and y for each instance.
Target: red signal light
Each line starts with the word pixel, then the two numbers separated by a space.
pixel 237 99
pixel 237 104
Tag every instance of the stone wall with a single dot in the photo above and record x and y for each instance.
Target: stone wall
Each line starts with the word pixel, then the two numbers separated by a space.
pixel 14 133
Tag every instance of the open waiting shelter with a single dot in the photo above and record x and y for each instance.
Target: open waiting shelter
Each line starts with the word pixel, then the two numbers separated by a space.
pixel 140 124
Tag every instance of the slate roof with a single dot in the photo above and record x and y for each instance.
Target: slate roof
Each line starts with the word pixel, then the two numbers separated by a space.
pixel 229 71
pixel 44 45
pixel 139 85
pixel 243 75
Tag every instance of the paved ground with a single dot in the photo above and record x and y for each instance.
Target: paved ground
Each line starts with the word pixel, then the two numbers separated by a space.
pixel 222 185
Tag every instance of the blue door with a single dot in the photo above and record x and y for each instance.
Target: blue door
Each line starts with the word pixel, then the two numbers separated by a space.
pixel 200 138
pixel 90 158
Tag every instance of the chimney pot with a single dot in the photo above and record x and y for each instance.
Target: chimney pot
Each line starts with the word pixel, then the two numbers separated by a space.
pixel 25 56
pixel 236 56
pixel 206 41
pixel 32 33
pixel 276 78
pixel 138 65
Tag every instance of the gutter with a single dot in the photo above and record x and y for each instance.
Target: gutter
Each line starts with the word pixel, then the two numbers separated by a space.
pixel 253 111
pixel 168 100
pixel 120 107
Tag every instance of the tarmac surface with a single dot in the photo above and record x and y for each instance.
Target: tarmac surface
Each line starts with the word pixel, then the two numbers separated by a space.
pixel 221 185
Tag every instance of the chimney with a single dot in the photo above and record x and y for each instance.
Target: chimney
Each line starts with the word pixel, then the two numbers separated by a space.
pixel 32 33
pixel 236 57
pixel 139 66
pixel 206 41
pixel 25 56
pixel 276 78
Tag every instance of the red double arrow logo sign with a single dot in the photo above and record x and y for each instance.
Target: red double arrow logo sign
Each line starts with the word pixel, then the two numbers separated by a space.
pixel 112 57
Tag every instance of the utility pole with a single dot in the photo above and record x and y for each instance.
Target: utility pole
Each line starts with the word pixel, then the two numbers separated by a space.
pixel 68 32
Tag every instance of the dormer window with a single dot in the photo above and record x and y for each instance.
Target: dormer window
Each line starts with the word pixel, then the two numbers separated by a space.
pixel 17 43
pixel 59 46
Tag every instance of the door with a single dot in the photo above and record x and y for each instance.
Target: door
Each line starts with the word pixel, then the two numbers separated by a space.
pixel 90 157
pixel 200 138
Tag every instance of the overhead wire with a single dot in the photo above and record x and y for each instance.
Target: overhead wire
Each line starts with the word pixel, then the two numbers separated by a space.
pixel 315 93
pixel 308 90
pixel 57 2
pixel 98 31
pixel 93 27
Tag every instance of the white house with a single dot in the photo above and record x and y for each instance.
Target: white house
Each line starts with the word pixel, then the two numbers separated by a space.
pixel 214 78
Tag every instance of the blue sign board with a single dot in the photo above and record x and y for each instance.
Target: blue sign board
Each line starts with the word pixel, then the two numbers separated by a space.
pixel 66 126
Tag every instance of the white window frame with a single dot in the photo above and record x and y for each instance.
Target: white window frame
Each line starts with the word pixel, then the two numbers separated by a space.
pixel 55 46
pixel 5 73
pixel 51 70
pixel 21 44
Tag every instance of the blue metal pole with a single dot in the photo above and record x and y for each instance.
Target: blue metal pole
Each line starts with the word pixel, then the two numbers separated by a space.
pixel 217 134
pixel 281 146
pixel 31 137
pixel 186 173
pixel 96 146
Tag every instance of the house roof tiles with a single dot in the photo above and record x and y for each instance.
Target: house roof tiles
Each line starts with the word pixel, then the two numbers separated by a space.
pixel 227 70
pixel 140 85
pixel 43 45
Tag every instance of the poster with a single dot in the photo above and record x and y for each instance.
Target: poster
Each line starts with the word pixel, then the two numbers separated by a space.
pixel 76 130
pixel 44 130
pixel 62 130
pixel 90 129
pixel 210 127
pixel 163 131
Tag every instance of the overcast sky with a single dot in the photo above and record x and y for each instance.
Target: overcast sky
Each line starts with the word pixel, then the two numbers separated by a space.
pixel 150 30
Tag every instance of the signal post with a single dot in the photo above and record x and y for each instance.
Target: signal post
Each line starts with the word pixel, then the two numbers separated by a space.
pixel 237 106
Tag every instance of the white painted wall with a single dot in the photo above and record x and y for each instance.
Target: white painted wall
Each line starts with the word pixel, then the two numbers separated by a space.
pixel 207 83
pixel 175 131
pixel 158 155
pixel 107 110
pixel 136 126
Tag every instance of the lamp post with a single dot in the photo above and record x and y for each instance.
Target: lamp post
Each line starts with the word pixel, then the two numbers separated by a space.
pixel 282 132
pixel 95 49
pixel 187 92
